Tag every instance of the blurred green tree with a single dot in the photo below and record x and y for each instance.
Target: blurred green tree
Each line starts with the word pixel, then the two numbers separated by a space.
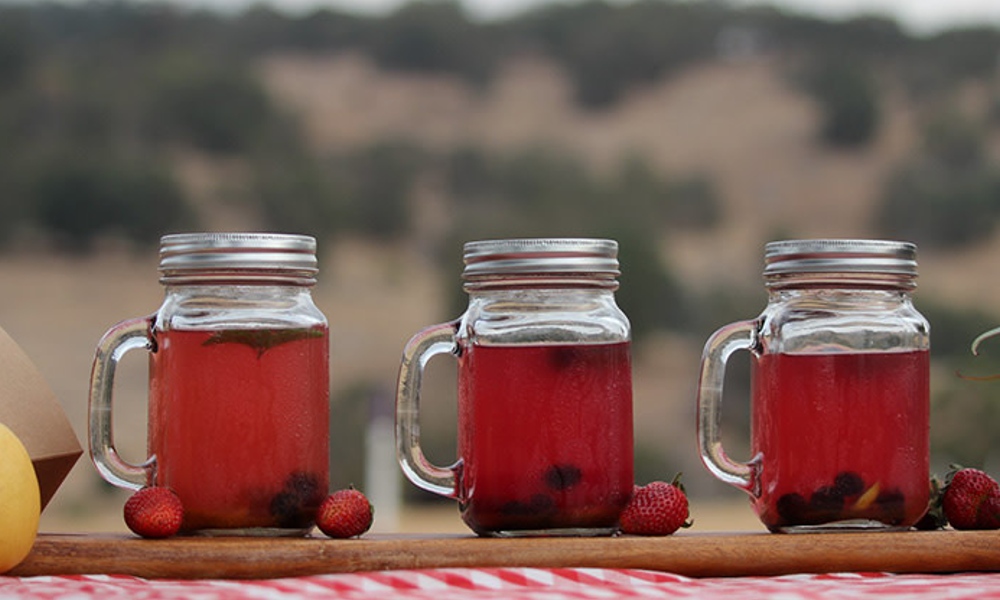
pixel 81 196
pixel 694 203
pixel 608 49
pixel 218 108
pixel 928 204
pixel 954 140
pixel 948 194
pixel 379 182
pixel 848 99
pixel 297 195
pixel 15 51
pixel 544 192
pixel 650 294
pixel 434 36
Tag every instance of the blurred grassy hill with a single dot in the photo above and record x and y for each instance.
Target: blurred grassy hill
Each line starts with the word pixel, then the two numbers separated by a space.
pixel 691 132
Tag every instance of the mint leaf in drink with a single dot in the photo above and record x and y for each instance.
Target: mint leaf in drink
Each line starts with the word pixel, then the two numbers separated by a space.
pixel 262 340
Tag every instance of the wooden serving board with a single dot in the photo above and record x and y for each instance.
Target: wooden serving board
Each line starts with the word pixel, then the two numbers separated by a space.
pixel 691 554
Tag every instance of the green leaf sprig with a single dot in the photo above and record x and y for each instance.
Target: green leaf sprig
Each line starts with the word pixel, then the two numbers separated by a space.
pixel 262 340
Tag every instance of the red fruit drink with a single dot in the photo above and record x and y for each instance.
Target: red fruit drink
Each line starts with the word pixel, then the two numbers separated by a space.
pixel 843 436
pixel 545 436
pixel 239 425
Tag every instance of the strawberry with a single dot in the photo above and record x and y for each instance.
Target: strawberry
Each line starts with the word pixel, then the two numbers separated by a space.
pixel 345 514
pixel 989 512
pixel 969 499
pixel 154 512
pixel 657 508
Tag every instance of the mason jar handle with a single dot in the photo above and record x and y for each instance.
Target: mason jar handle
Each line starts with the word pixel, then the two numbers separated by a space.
pixel 125 336
pixel 434 340
pixel 741 335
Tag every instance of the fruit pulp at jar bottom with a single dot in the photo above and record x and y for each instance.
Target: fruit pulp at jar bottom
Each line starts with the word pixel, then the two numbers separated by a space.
pixel 842 436
pixel 545 436
pixel 239 425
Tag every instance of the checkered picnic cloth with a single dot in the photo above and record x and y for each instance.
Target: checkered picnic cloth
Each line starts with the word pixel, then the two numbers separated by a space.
pixel 510 583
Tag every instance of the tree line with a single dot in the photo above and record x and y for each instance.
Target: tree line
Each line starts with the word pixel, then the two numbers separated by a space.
pixel 97 100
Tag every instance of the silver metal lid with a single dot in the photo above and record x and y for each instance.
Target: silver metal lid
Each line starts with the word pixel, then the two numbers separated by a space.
pixel 541 256
pixel 191 254
pixel 840 256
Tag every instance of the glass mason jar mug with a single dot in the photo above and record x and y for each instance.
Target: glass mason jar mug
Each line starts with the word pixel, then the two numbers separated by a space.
pixel 840 389
pixel 238 385
pixel 544 391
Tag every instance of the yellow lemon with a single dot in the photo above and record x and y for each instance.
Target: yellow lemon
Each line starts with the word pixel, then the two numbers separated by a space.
pixel 20 504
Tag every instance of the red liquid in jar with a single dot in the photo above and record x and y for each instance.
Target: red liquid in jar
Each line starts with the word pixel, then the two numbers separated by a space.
pixel 842 436
pixel 545 436
pixel 239 425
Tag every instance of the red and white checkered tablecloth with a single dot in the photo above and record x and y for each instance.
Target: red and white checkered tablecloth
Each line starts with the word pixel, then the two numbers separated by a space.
pixel 513 583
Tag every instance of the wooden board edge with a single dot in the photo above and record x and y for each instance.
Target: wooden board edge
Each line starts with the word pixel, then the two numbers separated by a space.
pixel 693 555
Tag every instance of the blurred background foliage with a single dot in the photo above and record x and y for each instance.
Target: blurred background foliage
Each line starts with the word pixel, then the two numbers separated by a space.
pixel 143 80
pixel 98 100
pixel 137 82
